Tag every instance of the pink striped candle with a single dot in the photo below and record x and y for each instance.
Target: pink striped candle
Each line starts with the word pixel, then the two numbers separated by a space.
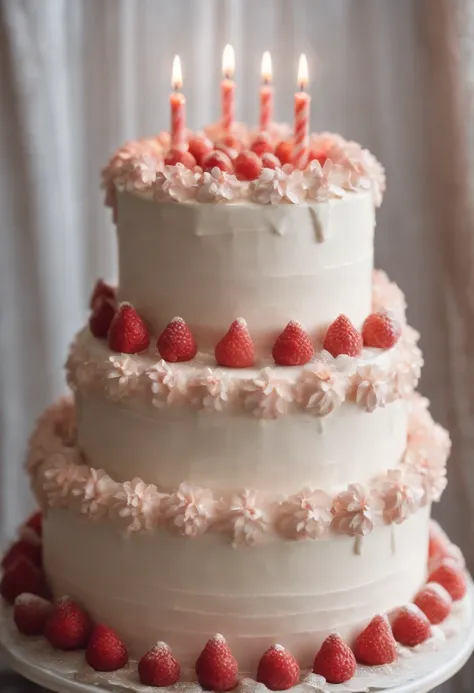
pixel 228 89
pixel 302 110
pixel 266 93
pixel 178 107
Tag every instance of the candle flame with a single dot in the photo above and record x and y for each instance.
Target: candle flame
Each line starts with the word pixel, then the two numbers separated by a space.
pixel 267 67
pixel 228 62
pixel 176 74
pixel 303 72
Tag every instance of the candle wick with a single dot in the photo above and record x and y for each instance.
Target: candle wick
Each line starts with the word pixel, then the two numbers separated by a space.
pixel 266 81
pixel 302 87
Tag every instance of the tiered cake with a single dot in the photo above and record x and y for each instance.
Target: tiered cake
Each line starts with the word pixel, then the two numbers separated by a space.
pixel 188 493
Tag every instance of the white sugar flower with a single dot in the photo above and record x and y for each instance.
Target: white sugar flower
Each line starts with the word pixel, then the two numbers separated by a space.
pixel 167 385
pixel 121 378
pixel 218 186
pixel 325 182
pixel 176 182
pixel 210 390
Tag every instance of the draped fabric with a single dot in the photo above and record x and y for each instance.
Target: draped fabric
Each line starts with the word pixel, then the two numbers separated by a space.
pixel 79 78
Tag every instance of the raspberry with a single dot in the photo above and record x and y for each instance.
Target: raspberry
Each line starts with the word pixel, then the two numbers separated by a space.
pixel 262 145
pixel 176 342
pixel 284 152
pixel 248 166
pixel 342 338
pixel 376 644
pixel 435 602
pixel 219 159
pixel 176 156
pixel 335 660
pixel 199 146
pixel 235 349
pixel 277 669
pixel 293 347
pixel 270 161
pixel 410 626
pixel 216 668
pixel 105 651
pixel 128 333
pixel 158 667
pixel 381 330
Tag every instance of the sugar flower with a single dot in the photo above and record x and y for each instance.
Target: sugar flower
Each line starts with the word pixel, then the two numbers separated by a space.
pixel 190 510
pixel 325 182
pixel 373 387
pixel 306 514
pixel 266 395
pixel 248 518
pixel 210 390
pixel 218 186
pixel 401 494
pixel 121 377
pixel 139 503
pixel 355 511
pixel 322 386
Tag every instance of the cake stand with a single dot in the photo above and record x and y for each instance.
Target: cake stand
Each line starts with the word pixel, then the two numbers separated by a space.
pixel 416 671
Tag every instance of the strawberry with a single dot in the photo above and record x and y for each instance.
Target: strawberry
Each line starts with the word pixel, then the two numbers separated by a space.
pixel 277 669
pixel 216 668
pixel 22 576
pixel 381 330
pixel 176 342
pixel 231 142
pixel 262 144
pixel 69 626
pixel 101 317
pixel 320 156
pixel 248 166
pixel 128 333
pixel 176 156
pixel 270 161
pixel 284 152
pixel 342 338
pixel 435 602
pixel 293 347
pixel 105 651
pixel 451 577
pixel 158 667
pixel 410 626
pixel 199 146
pixel 27 549
pixel 101 290
pixel 335 660
pixel 35 522
pixel 235 349
pixel 30 613
pixel 217 158
pixel 376 644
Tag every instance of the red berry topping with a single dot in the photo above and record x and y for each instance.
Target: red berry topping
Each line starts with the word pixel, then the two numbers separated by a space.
pixel 342 338
pixel 199 147
pixel 176 156
pixel 35 522
pixel 270 161
pixel 231 142
pixel 262 144
pixel 335 660
pixel 381 330
pixel 376 644
pixel 284 152
pixel 410 626
pixel 235 349
pixel 101 318
pixel 30 613
pixel 219 159
pixel 293 347
pixel 228 151
pixel 451 577
pixel 248 166
pixel 176 342
pixel 102 290
pixel 320 156
pixel 27 549
pixel 216 668
pixel 68 626
pixel 435 602
pixel 22 576
pixel 158 667
pixel 105 651
pixel 277 669
pixel 128 333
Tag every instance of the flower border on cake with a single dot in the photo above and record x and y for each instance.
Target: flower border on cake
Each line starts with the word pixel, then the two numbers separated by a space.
pixel 61 477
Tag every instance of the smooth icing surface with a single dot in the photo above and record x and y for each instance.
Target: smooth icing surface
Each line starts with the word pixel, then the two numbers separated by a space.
pixel 161 587
pixel 270 264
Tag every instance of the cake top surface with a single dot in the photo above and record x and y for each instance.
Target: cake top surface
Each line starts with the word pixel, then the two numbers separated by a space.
pixel 245 166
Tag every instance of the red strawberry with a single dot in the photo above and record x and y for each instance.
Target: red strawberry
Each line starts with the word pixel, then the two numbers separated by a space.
pixel 30 613
pixel 35 522
pixel 158 667
pixel 102 290
pixel 335 660
pixel 451 577
pixel 105 651
pixel 199 147
pixel 435 602
pixel 69 626
pixel 128 333
pixel 176 156
pixel 27 549
pixel 219 159
pixel 381 330
pixel 22 576
pixel 320 156
pixel 376 644
pixel 342 338
pixel 277 669
pixel 235 349
pixel 293 347
pixel 176 342
pixel 410 626
pixel 262 144
pixel 284 152
pixel 248 166
pixel 231 142
pixel 270 161
pixel 101 317
pixel 216 668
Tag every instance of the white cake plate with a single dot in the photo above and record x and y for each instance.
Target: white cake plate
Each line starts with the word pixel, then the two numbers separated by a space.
pixel 416 671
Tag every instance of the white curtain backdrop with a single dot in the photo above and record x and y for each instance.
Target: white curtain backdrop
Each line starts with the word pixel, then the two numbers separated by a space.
pixel 79 77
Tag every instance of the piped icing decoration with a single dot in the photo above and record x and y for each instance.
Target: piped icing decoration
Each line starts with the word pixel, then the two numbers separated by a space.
pixel 216 667
pixel 323 385
pixel 267 395
pixel 61 477
pixel 373 387
pixel 235 349
pixel 293 346
pixel 335 660
pixel 176 343
pixel 342 338
pixel 278 669
pixel 381 330
pixel 158 667
pixel 128 333
pixel 375 645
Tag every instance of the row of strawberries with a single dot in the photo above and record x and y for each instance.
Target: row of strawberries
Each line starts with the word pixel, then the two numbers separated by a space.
pixel 67 626
pixel 127 332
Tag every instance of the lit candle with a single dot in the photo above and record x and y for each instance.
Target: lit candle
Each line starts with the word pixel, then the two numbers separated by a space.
pixel 228 88
pixel 302 102
pixel 266 92
pixel 178 107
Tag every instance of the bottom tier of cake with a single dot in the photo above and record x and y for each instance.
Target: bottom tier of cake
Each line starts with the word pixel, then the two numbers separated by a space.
pixel 156 586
